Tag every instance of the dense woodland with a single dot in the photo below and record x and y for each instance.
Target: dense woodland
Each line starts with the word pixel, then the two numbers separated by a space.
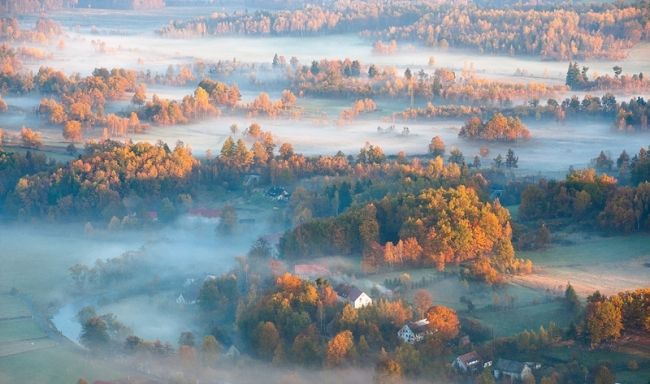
pixel 555 32
pixel 596 200
pixel 370 216
pixel 625 116
pixel 350 16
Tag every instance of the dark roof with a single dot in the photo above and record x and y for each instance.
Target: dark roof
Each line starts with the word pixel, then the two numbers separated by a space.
pixel 469 357
pixel 509 366
pixel 419 326
pixel 349 292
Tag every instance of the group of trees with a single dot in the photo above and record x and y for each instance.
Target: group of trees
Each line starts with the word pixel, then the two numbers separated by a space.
pixel 106 272
pixel 632 115
pixel 44 29
pixel 605 318
pixel 577 78
pixel 302 322
pixel 497 128
pixel 333 78
pixel 557 32
pixel 435 227
pixel 96 184
pixel 101 333
pixel 310 19
pixel 592 199
pixel 157 178
pixel 360 106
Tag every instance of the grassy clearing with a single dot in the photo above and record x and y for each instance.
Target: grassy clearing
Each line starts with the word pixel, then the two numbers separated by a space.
pixel 19 329
pixel 61 364
pixel 531 317
pixel 507 309
pixel 11 307
pixel 610 265
pixel 28 356
pixel 592 250
pixel 22 346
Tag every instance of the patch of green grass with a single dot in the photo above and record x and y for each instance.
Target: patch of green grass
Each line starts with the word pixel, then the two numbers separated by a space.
pixel 592 250
pixel 20 329
pixel 62 364
pixel 11 306
pixel 531 317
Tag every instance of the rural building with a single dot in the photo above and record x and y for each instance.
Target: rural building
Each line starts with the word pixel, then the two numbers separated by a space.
pixel 470 362
pixel 414 332
pixel 310 271
pixel 515 370
pixel 278 194
pixel 353 295
pixel 233 352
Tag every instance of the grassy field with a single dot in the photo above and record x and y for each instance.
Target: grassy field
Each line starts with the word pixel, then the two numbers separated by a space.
pixel 59 364
pixel 19 329
pixel 507 309
pixel 529 317
pixel 608 264
pixel 11 307
pixel 28 355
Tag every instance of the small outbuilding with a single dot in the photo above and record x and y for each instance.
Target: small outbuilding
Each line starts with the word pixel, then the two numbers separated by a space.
pixel 353 295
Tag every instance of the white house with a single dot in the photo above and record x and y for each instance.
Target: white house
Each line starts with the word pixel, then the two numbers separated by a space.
pixel 353 295
pixel 181 300
pixel 414 332
pixel 470 362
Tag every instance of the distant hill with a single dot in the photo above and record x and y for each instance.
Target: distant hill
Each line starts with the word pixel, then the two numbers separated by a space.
pixel 121 4
pixel 8 7
pixel 32 6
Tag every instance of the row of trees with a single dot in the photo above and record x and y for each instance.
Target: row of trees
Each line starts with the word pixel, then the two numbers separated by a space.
pixel 333 78
pixel 632 115
pixel 577 78
pixel 558 32
pixel 43 30
pixel 310 19
pixel 96 184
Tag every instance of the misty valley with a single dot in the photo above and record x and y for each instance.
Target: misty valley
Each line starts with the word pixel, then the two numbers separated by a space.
pixel 331 191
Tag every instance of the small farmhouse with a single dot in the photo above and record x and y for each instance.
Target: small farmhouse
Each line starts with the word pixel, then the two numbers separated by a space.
pixel 414 332
pixel 470 362
pixel 353 295
pixel 514 370
pixel 310 271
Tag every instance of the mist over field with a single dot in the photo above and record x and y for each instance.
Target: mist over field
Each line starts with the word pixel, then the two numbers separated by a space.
pixel 365 191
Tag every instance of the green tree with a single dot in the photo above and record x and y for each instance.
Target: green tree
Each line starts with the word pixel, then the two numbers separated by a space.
pixel 604 321
pixel 94 333
pixel 571 298
pixel 486 377
pixel 186 338
pixel 228 221
pixel 511 159
pixel 210 349
pixel 266 339
pixel 604 376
